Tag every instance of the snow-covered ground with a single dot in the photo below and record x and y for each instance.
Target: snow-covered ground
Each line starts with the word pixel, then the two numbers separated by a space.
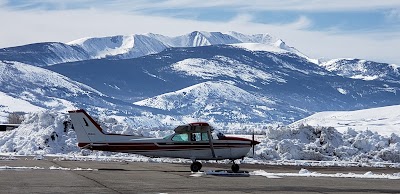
pixel 306 173
pixel 383 120
pixel 9 104
pixel 302 173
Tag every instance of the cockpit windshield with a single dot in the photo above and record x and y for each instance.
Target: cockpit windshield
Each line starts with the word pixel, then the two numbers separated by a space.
pixel 217 135
pixel 168 136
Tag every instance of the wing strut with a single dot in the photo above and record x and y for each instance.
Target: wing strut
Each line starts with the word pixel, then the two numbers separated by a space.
pixel 210 141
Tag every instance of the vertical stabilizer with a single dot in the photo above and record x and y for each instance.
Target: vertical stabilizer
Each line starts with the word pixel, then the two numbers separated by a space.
pixel 87 130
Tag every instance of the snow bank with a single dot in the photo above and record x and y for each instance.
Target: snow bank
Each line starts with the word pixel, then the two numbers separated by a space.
pixel 327 144
pixel 49 132
pixel 40 133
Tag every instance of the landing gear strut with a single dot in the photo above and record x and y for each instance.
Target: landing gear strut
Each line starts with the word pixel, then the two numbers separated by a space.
pixel 195 167
pixel 235 167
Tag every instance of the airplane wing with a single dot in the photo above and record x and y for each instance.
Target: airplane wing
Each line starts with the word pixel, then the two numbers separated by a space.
pixel 8 127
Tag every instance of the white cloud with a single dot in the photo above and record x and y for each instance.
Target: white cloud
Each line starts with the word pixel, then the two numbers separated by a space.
pixel 393 15
pixel 302 23
pixel 242 18
pixel 23 27
pixel 289 5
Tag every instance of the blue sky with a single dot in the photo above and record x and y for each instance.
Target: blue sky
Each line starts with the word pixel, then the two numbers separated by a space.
pixel 318 28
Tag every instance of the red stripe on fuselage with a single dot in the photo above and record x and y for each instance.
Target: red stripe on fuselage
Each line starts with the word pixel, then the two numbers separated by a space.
pixel 154 146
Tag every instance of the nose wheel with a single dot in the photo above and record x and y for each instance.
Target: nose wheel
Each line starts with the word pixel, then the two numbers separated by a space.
pixel 195 167
pixel 235 167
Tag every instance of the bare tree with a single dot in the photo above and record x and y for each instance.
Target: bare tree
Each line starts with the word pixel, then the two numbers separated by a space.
pixel 15 118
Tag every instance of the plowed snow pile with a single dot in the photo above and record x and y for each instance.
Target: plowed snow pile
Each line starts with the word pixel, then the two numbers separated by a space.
pixel 48 133
pixel 326 143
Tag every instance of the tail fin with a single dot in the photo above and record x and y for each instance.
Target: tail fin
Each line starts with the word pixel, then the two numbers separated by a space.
pixel 87 130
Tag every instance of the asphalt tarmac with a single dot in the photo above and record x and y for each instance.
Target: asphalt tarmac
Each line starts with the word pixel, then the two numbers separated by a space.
pixel 141 177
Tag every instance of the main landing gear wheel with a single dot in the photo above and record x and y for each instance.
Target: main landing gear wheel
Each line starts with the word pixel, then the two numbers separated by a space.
pixel 195 167
pixel 235 168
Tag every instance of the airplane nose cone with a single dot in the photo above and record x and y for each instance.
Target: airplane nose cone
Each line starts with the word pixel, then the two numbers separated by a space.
pixel 254 142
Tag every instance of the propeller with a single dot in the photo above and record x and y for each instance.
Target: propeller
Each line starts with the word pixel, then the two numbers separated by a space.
pixel 252 142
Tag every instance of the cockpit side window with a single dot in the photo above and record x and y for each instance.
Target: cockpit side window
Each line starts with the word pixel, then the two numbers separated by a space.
pixel 181 137
pixel 204 136
pixel 199 137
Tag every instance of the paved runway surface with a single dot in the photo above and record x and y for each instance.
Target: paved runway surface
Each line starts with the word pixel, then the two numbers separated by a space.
pixel 137 177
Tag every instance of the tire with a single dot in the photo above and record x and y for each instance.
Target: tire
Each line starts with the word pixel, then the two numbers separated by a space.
pixel 195 167
pixel 235 168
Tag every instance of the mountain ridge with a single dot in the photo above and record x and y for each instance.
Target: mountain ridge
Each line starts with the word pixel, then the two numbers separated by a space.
pixel 133 68
pixel 128 46
pixel 296 86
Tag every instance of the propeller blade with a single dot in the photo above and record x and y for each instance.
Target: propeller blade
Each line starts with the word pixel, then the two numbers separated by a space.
pixel 252 143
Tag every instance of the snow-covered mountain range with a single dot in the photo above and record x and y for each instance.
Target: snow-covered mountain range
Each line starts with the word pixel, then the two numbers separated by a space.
pixel 278 86
pixel 137 45
pixel 130 46
pixel 210 76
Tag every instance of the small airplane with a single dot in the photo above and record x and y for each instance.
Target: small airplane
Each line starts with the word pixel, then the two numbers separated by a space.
pixel 195 141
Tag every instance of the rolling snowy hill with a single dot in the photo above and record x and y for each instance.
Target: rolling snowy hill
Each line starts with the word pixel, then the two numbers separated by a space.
pixel 383 120
pixel 212 100
pixel 27 88
pixel 362 69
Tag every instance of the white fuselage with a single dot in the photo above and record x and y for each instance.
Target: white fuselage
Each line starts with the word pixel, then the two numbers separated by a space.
pixel 198 150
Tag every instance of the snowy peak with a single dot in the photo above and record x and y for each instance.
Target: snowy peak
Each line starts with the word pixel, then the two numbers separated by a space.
pixel 266 42
pixel 137 45
pixel 101 47
pixel 123 46
pixel 256 38
pixel 197 38
pixel 363 69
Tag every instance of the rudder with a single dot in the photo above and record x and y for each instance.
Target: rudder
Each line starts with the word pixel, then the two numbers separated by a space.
pixel 87 130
